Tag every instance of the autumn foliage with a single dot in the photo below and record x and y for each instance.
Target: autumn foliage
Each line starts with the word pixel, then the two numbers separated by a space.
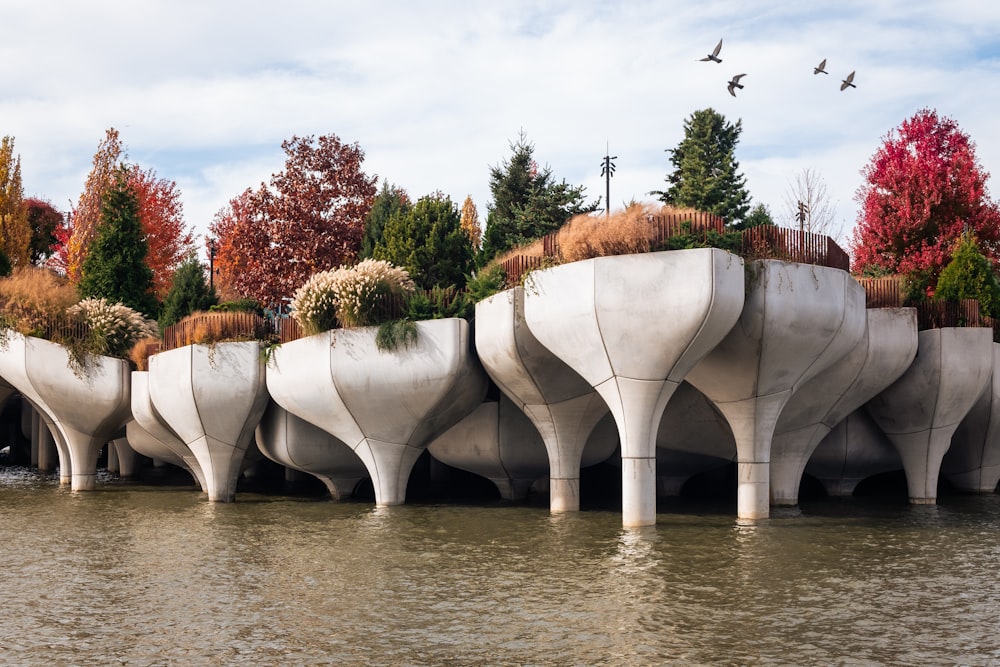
pixel 922 189
pixel 310 218
pixel 161 214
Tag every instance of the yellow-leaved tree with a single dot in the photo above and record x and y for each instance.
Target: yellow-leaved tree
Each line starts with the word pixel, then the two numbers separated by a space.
pixel 15 232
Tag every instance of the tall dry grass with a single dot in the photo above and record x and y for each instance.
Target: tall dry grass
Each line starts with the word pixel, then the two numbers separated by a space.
pixel 585 236
pixel 31 296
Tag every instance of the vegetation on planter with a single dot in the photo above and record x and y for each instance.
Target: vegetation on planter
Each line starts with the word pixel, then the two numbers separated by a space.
pixel 970 275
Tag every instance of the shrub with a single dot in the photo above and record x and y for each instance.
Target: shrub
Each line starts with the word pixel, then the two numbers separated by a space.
pixel 353 297
pixel 112 327
pixel 438 303
pixel 142 350
pixel 487 282
pixel 245 305
pixel 970 275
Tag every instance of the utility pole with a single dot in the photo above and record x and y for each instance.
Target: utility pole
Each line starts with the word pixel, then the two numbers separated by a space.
pixel 211 264
pixel 802 215
pixel 607 171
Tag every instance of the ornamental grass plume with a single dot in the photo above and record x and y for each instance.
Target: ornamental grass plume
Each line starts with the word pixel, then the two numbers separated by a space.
pixel 350 296
pixel 31 296
pixel 113 328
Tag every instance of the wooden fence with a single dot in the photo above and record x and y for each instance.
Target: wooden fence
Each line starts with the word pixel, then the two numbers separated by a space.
pixel 793 245
pixel 214 327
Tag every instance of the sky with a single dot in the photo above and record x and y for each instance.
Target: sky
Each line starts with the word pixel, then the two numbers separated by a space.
pixel 434 92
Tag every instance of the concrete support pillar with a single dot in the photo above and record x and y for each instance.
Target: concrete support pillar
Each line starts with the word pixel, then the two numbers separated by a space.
pixel 47 455
pixel 113 466
pixel 36 426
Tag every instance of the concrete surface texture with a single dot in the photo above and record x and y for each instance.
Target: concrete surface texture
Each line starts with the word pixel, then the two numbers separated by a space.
pixel 797 320
pixel 212 396
pixel 89 406
pixel 150 436
pixel 886 351
pixel 921 410
pixel 386 405
pixel 299 445
pixel 563 407
pixel 617 322
pixel 972 463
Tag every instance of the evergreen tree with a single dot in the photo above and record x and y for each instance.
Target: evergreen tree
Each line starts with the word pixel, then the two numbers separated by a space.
pixel 970 275
pixel 527 202
pixel 706 174
pixel 115 266
pixel 429 242
pixel 389 201
pixel 188 293
pixel 759 215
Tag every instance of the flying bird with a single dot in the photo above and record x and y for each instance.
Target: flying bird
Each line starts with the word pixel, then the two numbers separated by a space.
pixel 714 55
pixel 848 82
pixel 735 83
pixel 821 68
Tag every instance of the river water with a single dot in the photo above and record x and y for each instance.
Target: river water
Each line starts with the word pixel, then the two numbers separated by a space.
pixel 144 575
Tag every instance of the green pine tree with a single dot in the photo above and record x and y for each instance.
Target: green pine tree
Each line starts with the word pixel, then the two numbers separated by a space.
pixel 970 275
pixel 115 267
pixel 706 174
pixel 527 202
pixel 389 201
pixel 188 293
pixel 429 242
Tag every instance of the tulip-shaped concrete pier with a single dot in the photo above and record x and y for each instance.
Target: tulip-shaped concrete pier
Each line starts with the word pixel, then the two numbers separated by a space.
pixel 297 444
pixel 632 326
pixel 973 462
pixel 89 405
pixel 854 450
pixel 386 405
pixel 798 320
pixel 921 410
pixel 150 436
pixel 14 371
pixel 212 396
pixel 496 441
pixel 561 404
pixel 888 347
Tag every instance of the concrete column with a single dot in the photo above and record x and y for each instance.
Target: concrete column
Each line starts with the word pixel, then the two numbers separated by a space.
pixel 113 466
pixel 47 455
pixel 150 436
pixel 973 462
pixel 36 426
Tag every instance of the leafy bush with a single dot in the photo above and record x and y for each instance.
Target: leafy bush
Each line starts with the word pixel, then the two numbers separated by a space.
pixel 438 303
pixel 970 275
pixel 486 283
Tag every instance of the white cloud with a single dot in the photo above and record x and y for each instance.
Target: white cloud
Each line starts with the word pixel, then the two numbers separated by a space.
pixel 205 92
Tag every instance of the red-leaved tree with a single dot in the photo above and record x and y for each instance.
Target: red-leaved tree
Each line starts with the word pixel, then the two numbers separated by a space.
pixel 311 218
pixel 922 189
pixel 43 219
pixel 162 215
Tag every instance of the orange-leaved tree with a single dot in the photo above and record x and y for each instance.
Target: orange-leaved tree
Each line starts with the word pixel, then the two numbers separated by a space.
pixel 162 216
pixel 310 218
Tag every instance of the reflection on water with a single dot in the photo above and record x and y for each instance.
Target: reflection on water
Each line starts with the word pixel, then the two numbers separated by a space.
pixel 153 576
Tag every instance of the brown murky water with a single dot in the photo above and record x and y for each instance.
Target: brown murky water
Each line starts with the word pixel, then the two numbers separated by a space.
pixel 134 575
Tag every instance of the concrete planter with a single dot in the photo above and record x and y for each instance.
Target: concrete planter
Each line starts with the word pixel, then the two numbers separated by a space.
pixel 88 407
pixel 385 405
pixel 633 326
pixel 212 397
